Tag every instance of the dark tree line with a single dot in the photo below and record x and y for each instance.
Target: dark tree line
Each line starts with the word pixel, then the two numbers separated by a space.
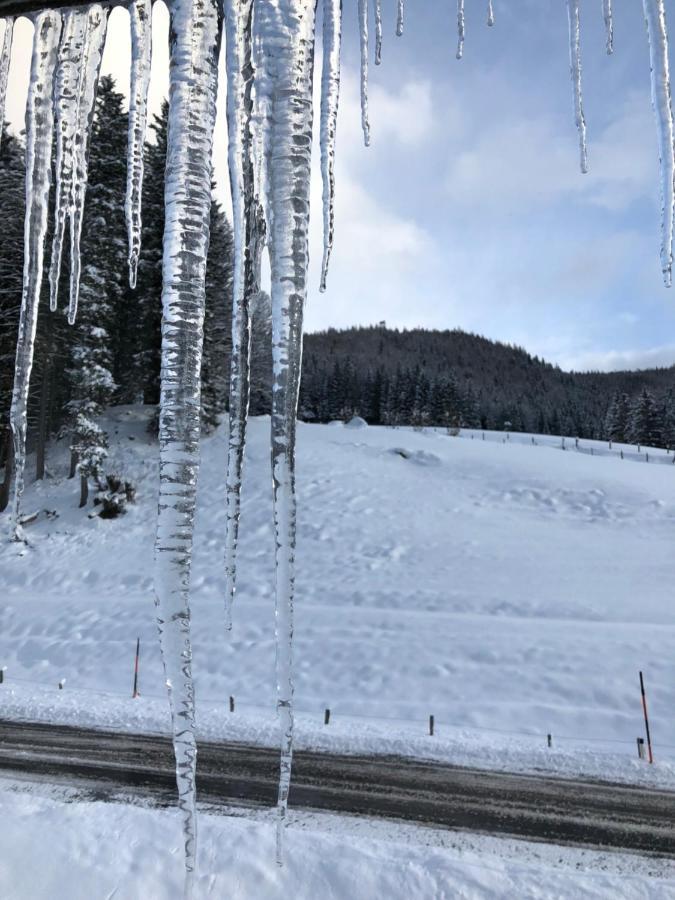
pixel 112 354
pixel 454 378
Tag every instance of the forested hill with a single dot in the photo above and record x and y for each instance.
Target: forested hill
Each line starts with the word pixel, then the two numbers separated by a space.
pixel 453 377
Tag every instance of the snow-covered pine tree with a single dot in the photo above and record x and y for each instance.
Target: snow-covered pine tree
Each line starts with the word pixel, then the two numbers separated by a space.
pixel 645 426
pixel 617 421
pixel 217 320
pixel 138 368
pixel 668 420
pixel 103 289
pixel 261 355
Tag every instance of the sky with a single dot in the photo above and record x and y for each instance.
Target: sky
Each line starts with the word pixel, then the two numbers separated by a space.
pixel 469 210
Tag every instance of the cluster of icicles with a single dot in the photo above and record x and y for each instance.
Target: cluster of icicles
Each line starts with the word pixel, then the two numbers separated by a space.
pixel 270 48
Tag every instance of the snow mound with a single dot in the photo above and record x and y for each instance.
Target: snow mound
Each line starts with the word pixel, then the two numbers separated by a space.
pixel 420 457
pixel 356 422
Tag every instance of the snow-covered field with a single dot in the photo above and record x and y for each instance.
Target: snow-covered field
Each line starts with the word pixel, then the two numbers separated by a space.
pixel 507 587
pixel 103 851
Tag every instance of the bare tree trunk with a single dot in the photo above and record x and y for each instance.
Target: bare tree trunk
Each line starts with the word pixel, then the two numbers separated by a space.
pixel 84 490
pixel 9 469
pixel 43 424
pixel 73 464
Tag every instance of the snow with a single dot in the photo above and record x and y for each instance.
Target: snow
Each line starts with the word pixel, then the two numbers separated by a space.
pixel 99 850
pixel 510 589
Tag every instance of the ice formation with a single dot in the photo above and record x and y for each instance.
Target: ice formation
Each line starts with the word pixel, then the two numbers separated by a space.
pixel 330 95
pixel 655 17
pixel 575 70
pixel 460 29
pixel 193 76
pixel 609 24
pixel 4 67
pixel 39 129
pixel 363 37
pixel 140 17
pixel 270 52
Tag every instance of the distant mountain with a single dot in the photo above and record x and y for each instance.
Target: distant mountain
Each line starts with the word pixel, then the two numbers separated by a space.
pixel 445 377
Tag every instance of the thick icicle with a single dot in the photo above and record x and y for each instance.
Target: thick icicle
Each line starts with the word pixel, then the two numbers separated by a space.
pixel 39 132
pixel 248 242
pixel 363 35
pixel 66 102
pixel 399 17
pixel 575 69
pixel 330 94
pixel 657 30
pixel 609 24
pixel 378 31
pixel 140 16
pixel 287 79
pixel 90 67
pixel 5 60
pixel 193 72
pixel 460 29
pixel 490 14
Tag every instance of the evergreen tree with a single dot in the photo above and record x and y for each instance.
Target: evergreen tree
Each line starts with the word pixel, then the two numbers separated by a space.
pixel 217 320
pixel 645 422
pixel 616 422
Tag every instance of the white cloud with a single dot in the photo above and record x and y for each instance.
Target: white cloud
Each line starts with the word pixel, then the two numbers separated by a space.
pixel 618 360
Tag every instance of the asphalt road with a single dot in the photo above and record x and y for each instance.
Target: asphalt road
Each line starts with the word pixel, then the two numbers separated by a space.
pixel 582 813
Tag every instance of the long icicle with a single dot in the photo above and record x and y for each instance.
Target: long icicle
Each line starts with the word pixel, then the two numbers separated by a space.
pixel 575 70
pixel 287 80
pixel 330 95
pixel 377 8
pixel 609 25
pixel 248 241
pixel 39 131
pixel 193 75
pixel 5 60
pixel 460 29
pixel 140 18
pixel 92 56
pixel 66 102
pixel 490 14
pixel 657 31
pixel 400 12
pixel 363 38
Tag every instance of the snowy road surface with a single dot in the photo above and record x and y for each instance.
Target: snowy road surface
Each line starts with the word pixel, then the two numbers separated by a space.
pixel 580 813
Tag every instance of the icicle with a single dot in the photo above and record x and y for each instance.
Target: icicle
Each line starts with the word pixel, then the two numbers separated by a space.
pixel 39 130
pixel 575 69
pixel 657 31
pixel 97 24
pixel 460 29
pixel 609 26
pixel 66 101
pixel 140 16
pixel 5 60
pixel 363 33
pixel 490 14
pixel 378 31
pixel 248 241
pixel 193 73
pixel 399 18
pixel 330 93
pixel 286 79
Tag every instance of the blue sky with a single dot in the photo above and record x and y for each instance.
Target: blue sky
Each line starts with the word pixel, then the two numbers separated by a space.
pixel 469 210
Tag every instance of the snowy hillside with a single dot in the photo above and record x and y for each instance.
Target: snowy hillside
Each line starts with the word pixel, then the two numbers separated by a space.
pixel 508 588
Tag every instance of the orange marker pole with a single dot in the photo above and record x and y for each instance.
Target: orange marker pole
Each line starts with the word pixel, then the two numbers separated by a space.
pixel 138 653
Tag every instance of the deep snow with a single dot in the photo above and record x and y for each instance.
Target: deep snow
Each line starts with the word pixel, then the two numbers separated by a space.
pixel 507 588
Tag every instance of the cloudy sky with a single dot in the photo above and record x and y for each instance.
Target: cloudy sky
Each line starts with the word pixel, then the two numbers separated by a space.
pixel 469 210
